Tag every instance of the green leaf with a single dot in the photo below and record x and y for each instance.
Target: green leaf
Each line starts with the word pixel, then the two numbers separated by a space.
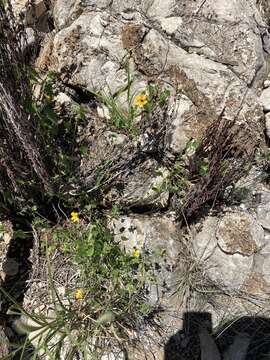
pixel 203 170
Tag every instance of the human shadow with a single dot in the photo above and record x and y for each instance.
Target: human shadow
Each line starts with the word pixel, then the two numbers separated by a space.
pixel 247 338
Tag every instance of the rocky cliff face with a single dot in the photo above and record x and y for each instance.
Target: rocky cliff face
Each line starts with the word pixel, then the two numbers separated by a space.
pixel 217 53
pixel 213 59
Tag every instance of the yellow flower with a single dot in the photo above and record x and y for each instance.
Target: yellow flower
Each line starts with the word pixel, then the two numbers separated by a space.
pixel 74 216
pixel 79 294
pixel 141 100
pixel 136 253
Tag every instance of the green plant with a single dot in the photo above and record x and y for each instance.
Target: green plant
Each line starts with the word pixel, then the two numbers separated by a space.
pixel 178 180
pixel 112 279
pixel 136 104
pixel 120 118
pixel 57 129
pixel 102 306
pixel 115 210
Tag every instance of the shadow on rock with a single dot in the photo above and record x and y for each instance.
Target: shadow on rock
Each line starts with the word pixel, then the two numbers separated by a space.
pixel 247 338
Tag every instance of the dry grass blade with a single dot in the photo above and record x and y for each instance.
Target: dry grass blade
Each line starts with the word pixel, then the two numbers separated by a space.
pixel 226 161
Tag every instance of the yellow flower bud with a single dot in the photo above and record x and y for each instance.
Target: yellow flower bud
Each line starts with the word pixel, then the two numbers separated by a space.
pixel 79 294
pixel 74 216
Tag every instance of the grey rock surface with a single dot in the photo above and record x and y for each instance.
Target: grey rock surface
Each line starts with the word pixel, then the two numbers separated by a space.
pixel 207 49
pixel 234 246
pixel 232 250
pixel 35 13
pixel 227 268
pixel 4 343
pixel 6 233
pixel 267 125
pixel 265 99
pixel 266 83
pixel 159 235
pixel 239 233
pixel 263 210
pixel 143 188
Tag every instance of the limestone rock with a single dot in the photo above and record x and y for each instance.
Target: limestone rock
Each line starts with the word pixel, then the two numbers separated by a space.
pixel 62 9
pixel 152 233
pixel 265 99
pixel 6 233
pixel 239 233
pixel 156 234
pixel 227 246
pixel 143 188
pixel 63 98
pixel 177 138
pixel 263 210
pixel 266 83
pixel 161 238
pixel 212 56
pixel 221 268
pixel 30 36
pixel 233 247
pixel 66 11
pixel 34 15
pixel 4 343
pixel 199 48
pixel 18 5
pixel 264 8
pixel 267 125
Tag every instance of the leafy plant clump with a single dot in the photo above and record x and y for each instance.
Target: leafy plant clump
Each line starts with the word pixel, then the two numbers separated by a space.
pixel 58 131
pixel 137 105
pixel 110 279
pixel 104 302
pixel 180 180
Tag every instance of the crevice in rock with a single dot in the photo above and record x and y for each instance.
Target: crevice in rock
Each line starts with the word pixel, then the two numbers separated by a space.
pixel 81 95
